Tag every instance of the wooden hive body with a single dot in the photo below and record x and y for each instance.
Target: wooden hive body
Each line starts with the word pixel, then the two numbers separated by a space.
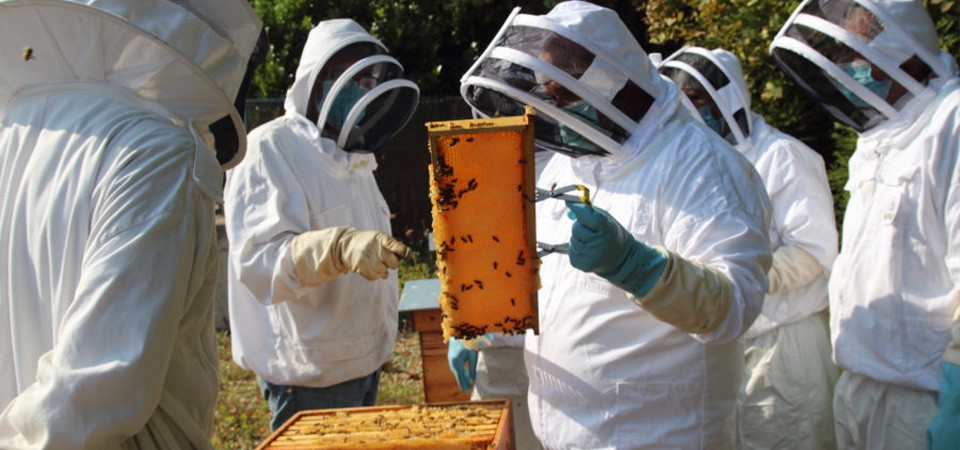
pixel 482 191
pixel 482 425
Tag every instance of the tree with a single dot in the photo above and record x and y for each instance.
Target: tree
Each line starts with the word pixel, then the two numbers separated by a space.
pixel 436 41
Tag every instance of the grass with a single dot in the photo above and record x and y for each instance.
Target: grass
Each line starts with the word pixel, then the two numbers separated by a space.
pixel 242 416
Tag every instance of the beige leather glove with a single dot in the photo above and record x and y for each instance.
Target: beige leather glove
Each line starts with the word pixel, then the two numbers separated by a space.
pixel 793 267
pixel 322 255
pixel 690 296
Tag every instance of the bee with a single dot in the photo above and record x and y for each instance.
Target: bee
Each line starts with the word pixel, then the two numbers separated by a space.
pixel 27 53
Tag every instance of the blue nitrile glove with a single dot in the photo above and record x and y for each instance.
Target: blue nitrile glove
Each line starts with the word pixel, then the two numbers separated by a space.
pixel 463 363
pixel 944 430
pixel 601 245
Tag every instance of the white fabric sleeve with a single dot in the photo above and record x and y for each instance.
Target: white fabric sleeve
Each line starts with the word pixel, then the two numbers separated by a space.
pixel 793 267
pixel 952 354
pixel 109 367
pixel 947 166
pixel 264 209
pixel 690 296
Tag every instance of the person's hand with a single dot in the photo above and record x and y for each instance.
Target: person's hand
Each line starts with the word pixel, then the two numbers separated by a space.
pixel 599 244
pixel 463 363
pixel 322 255
pixel 371 253
pixel 943 432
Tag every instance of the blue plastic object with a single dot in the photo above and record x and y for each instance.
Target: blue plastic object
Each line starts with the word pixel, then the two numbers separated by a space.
pixel 601 245
pixel 944 430
pixel 463 363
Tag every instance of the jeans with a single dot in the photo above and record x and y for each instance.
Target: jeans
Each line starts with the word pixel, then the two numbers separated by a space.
pixel 286 401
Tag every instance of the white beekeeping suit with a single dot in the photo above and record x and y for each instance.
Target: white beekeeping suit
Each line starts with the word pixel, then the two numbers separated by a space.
pixel 112 118
pixel 293 208
pixel 500 372
pixel 875 66
pixel 649 358
pixel 789 376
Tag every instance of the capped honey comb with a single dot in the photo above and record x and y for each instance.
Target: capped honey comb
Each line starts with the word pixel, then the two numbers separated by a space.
pixel 482 191
pixel 450 426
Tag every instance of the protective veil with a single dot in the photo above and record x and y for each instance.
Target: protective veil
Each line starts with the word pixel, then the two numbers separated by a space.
pixel 362 105
pixel 294 180
pixel 894 286
pixel 604 373
pixel 850 56
pixel 588 96
pixel 789 378
pixel 109 249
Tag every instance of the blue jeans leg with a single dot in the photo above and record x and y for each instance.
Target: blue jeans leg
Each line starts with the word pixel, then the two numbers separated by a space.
pixel 286 401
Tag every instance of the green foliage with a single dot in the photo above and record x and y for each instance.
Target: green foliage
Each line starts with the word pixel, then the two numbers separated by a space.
pixel 846 140
pixel 401 380
pixel 436 41
pixel 421 266
pixel 242 418
pixel 946 15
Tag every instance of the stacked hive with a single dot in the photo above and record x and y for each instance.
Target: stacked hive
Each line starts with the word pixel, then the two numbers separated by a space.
pixel 453 426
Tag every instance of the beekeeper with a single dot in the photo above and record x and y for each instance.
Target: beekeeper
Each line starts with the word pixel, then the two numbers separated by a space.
pixel 313 304
pixel 876 67
pixel 116 119
pixel 639 322
pixel 789 375
pixel 492 368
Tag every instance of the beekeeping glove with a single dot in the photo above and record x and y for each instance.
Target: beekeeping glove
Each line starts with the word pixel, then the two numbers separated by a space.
pixel 463 363
pixel 690 296
pixel 793 267
pixel 322 255
pixel 599 244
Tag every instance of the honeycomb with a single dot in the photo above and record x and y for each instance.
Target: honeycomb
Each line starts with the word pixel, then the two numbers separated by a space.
pixel 482 196
pixel 461 426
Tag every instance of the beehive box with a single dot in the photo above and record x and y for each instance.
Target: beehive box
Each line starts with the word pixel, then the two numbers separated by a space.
pixel 482 191
pixel 478 425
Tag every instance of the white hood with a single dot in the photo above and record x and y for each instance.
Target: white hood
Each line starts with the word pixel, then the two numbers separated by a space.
pixel 324 40
pixel 385 106
pixel 831 48
pixel 188 56
pixel 717 72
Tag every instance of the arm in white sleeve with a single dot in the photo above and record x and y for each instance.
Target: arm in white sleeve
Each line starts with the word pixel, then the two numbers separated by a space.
pixel 264 209
pixel 108 370
pixel 802 215
pixel 719 248
pixel 793 267
pixel 275 252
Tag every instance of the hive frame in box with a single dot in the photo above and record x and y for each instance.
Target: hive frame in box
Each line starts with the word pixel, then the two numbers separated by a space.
pixel 501 271
pixel 284 437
